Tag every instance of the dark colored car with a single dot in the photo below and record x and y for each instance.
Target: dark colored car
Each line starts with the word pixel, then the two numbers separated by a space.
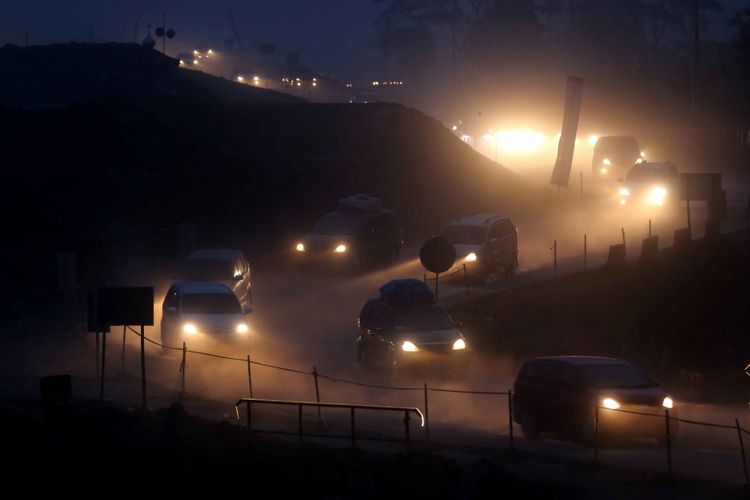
pixel 223 265
pixel 614 155
pixel 561 394
pixel 654 184
pixel 353 237
pixel 398 333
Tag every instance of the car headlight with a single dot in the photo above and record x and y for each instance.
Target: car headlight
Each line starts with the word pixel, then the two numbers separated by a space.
pixel 624 191
pixel 610 403
pixel 603 170
pixel 472 257
pixel 409 346
pixel 242 328
pixel 667 403
pixel 606 161
pixel 300 247
pixel 340 249
pixel 459 344
pixel 189 328
pixel 657 195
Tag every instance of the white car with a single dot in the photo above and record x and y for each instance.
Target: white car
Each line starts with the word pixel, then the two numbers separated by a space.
pixel 486 243
pixel 222 265
pixel 202 310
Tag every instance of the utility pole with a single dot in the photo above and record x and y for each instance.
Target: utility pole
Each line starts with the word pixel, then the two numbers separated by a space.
pixel 695 66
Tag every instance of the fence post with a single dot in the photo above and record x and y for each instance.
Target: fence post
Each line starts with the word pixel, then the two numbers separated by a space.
pixel 466 282
pixel 668 441
pixel 624 245
pixel 299 421
pixel 317 391
pixel 122 357
pixel 183 366
pixel 426 412
pixel 596 432
pixel 554 255
pixel 104 357
pixel 250 375
pixel 510 419
pixel 649 228
pixel 742 450
pixel 406 431
pixel 437 285
pixel 97 353
pixel 585 252
pixel 143 366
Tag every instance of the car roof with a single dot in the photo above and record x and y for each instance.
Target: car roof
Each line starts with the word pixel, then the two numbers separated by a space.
pixel 581 360
pixel 214 254
pixel 481 219
pixel 647 165
pixel 190 287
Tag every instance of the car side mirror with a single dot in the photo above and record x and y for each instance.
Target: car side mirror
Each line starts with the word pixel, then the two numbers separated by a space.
pixel 247 310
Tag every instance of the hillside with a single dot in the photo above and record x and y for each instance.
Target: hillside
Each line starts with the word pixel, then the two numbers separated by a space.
pixel 121 165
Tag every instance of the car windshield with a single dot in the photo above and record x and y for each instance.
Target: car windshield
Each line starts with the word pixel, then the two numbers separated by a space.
pixel 647 175
pixel 428 318
pixel 210 303
pixel 616 144
pixel 336 224
pixel 207 269
pixel 460 234
pixel 614 376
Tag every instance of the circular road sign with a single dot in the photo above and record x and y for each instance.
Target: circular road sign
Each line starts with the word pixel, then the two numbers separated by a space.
pixel 437 255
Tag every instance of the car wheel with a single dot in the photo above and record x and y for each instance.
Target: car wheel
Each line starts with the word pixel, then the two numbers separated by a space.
pixel 529 425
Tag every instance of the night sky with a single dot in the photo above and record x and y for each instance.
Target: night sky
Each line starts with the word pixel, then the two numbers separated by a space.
pixel 332 36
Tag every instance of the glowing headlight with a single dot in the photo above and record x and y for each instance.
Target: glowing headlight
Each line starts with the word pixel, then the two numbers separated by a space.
pixel 300 247
pixel 459 344
pixel 189 328
pixel 340 249
pixel 657 195
pixel 471 257
pixel 409 346
pixel 667 403
pixel 603 170
pixel 242 328
pixel 606 161
pixel 622 201
pixel 610 404
pixel 624 192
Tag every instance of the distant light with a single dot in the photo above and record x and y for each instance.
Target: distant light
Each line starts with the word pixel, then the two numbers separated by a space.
pixel 348 85
pixel 195 52
pixel 299 84
pixel 242 328
pixel 459 344
pixel 610 403
pixel 315 84
pixel 409 346
pixel 667 402
pixel 315 79
pixel 300 247
pixel 195 61
pixel 519 141
pixel 472 257
pixel 240 78
pixel 593 139
pixel 340 249
pixel 454 127
pixel 375 83
pixel 603 170
pixel 606 161
pixel 210 51
pixel 182 62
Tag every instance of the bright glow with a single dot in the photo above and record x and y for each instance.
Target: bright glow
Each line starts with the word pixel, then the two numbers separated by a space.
pixel 240 78
pixel 639 161
pixel 593 139
pixel 657 195
pixel 606 161
pixel 459 344
pixel 242 328
pixel 195 61
pixel 315 84
pixel 189 328
pixel 472 257
pixel 182 62
pixel 610 404
pixel 519 141
pixel 210 51
pixel 624 191
pixel 667 403
pixel 300 247
pixel 454 127
pixel 643 154
pixel 340 249
pixel 603 170
pixel 195 52
pixel 409 346
pixel 623 202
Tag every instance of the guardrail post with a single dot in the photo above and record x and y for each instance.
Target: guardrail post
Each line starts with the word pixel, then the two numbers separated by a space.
pixel 354 438
pixel 426 413
pixel 742 450
pixel 510 419
pixel 317 391
pixel 299 421
pixel 183 366
pixel 669 442
pixel 649 228
pixel 122 357
pixel 104 357
pixel 406 431
pixel 250 375
pixel 97 353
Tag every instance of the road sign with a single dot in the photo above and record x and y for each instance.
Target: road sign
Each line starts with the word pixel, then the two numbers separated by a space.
pixel 437 255
pixel 567 141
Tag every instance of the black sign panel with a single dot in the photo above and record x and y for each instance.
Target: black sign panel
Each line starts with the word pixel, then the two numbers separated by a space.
pixel 126 305
pixel 437 255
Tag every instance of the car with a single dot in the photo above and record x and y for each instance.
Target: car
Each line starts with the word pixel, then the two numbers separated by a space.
pixel 562 394
pixel 223 265
pixel 404 328
pixel 202 51
pixel 614 155
pixel 650 183
pixel 202 310
pixel 187 59
pixel 359 234
pixel 486 243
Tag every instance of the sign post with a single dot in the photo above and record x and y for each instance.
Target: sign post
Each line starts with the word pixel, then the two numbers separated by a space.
pixel 437 255
pixel 566 144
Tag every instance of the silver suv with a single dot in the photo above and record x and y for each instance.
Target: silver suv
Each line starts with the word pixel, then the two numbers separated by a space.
pixel 486 243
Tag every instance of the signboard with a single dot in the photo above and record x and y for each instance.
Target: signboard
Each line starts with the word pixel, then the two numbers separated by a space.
pixel 705 187
pixel 437 255
pixel 567 142
pixel 125 305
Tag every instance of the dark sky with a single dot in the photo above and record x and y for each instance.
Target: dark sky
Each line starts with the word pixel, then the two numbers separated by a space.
pixel 332 36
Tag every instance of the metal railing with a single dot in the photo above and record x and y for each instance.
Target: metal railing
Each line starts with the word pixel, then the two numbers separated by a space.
pixel 249 402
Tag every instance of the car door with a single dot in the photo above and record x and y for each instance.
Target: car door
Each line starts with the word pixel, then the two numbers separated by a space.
pixel 508 244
